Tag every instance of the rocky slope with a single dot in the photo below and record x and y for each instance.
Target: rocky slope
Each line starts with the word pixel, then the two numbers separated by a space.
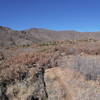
pixel 9 37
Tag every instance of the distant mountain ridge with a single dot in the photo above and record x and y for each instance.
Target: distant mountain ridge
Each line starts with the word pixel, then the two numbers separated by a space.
pixel 9 37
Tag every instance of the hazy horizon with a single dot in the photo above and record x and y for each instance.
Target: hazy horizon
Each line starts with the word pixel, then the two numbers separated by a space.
pixel 44 29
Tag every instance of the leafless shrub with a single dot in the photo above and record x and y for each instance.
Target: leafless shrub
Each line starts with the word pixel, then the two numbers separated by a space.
pixel 88 66
pixel 18 67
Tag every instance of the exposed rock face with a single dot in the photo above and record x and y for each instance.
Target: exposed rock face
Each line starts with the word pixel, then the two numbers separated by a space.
pixel 1 56
pixel 3 92
pixel 65 84
pixel 40 88
pixel 31 88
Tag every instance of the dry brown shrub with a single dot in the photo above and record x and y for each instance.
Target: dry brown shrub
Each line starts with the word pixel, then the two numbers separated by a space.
pixel 13 67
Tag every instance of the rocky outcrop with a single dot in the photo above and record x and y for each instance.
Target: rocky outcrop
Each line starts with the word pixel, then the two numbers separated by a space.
pixel 67 84
pixel 1 56
pixel 3 89
pixel 31 88
pixel 40 87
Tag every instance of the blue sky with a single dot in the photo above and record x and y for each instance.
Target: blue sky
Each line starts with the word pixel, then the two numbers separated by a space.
pixel 79 15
